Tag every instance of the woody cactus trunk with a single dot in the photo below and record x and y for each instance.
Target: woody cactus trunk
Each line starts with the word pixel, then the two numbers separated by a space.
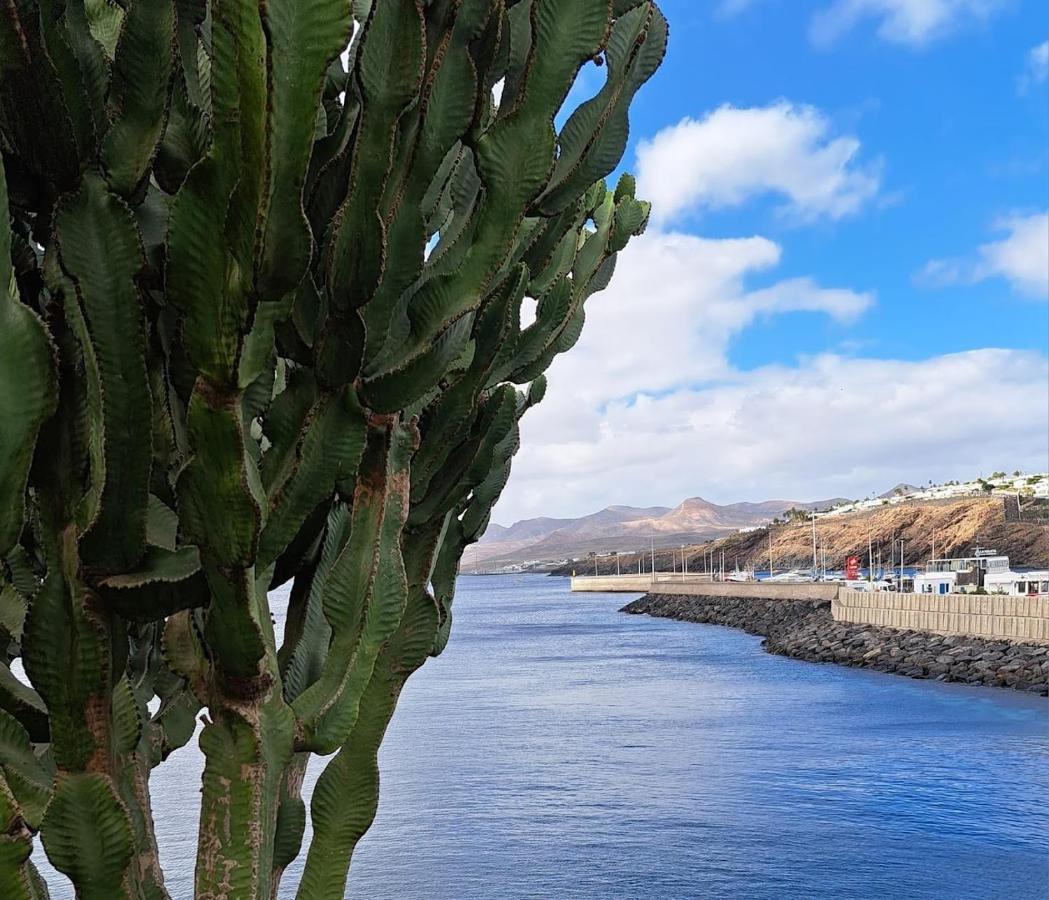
pixel 261 274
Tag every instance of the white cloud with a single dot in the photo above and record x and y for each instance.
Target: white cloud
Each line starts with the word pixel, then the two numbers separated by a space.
pixel 1021 257
pixel 1037 67
pixel 833 426
pixel 660 331
pixel 685 298
pixel 726 9
pixel 648 408
pixel 912 22
pixel 734 154
pixel 937 273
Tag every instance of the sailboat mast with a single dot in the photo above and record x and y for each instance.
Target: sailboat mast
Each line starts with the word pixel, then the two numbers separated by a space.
pixel 870 555
pixel 815 567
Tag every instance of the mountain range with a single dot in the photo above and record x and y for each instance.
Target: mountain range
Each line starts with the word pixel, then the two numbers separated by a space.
pixel 623 528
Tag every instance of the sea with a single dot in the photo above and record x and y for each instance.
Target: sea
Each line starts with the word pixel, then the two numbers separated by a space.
pixel 562 749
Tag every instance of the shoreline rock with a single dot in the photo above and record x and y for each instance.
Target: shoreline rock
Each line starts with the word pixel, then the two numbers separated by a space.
pixel 805 629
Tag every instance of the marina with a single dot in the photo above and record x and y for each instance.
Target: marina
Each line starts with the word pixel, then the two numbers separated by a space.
pixel 984 572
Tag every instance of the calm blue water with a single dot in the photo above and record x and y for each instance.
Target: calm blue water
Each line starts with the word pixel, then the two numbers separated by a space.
pixel 560 749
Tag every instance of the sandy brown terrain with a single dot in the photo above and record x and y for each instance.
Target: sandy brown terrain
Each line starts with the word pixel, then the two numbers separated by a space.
pixel 946 528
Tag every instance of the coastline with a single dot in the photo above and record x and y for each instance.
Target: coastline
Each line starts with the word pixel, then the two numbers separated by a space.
pixel 806 630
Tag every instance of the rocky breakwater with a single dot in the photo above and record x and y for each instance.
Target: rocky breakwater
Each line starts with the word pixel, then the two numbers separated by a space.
pixel 805 629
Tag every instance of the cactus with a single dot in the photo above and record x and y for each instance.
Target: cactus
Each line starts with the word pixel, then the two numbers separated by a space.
pixel 261 273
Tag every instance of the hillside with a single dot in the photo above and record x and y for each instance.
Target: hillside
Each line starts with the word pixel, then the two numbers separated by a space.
pixel 531 538
pixel 946 527
pixel 697 515
pixel 595 524
pixel 620 527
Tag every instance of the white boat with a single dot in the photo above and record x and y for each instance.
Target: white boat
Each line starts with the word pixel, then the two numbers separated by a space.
pixel 795 576
pixel 865 587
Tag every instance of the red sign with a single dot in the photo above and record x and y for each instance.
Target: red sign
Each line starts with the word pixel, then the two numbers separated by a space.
pixel 852 568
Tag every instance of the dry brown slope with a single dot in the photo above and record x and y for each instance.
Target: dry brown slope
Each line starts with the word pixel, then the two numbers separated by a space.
pixel 927 529
pixel 951 528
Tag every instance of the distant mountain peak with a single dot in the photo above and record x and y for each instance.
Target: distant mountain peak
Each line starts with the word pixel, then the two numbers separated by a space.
pixel 621 528
pixel 901 488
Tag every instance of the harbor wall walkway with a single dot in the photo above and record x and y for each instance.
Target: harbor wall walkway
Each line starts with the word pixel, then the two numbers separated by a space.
pixel 1018 619
pixel 987 616
pixel 702 584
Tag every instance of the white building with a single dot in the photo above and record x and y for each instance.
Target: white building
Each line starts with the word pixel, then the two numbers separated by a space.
pixel 960 575
pixel 987 570
pixel 1017 584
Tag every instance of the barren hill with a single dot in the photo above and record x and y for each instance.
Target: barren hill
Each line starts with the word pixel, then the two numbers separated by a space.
pixel 946 528
pixel 697 514
pixel 620 527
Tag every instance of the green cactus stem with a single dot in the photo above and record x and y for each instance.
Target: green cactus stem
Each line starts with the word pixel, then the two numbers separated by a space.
pixel 261 276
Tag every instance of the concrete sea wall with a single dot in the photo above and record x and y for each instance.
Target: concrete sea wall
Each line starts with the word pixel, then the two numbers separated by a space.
pixel 808 630
pixel 694 584
pixel 610 584
pixel 1024 619
pixel 986 616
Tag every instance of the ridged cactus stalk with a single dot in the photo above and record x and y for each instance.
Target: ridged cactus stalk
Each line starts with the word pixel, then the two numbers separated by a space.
pixel 261 274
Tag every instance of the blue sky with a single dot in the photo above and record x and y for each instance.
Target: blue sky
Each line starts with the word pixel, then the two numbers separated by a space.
pixel 960 143
pixel 846 192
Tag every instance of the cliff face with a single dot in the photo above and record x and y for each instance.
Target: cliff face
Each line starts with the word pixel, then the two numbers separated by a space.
pixel 934 528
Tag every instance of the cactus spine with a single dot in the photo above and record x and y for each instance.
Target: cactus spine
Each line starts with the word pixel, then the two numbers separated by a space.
pixel 261 272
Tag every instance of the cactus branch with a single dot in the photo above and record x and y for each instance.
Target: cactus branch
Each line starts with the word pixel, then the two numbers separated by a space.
pixel 262 268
